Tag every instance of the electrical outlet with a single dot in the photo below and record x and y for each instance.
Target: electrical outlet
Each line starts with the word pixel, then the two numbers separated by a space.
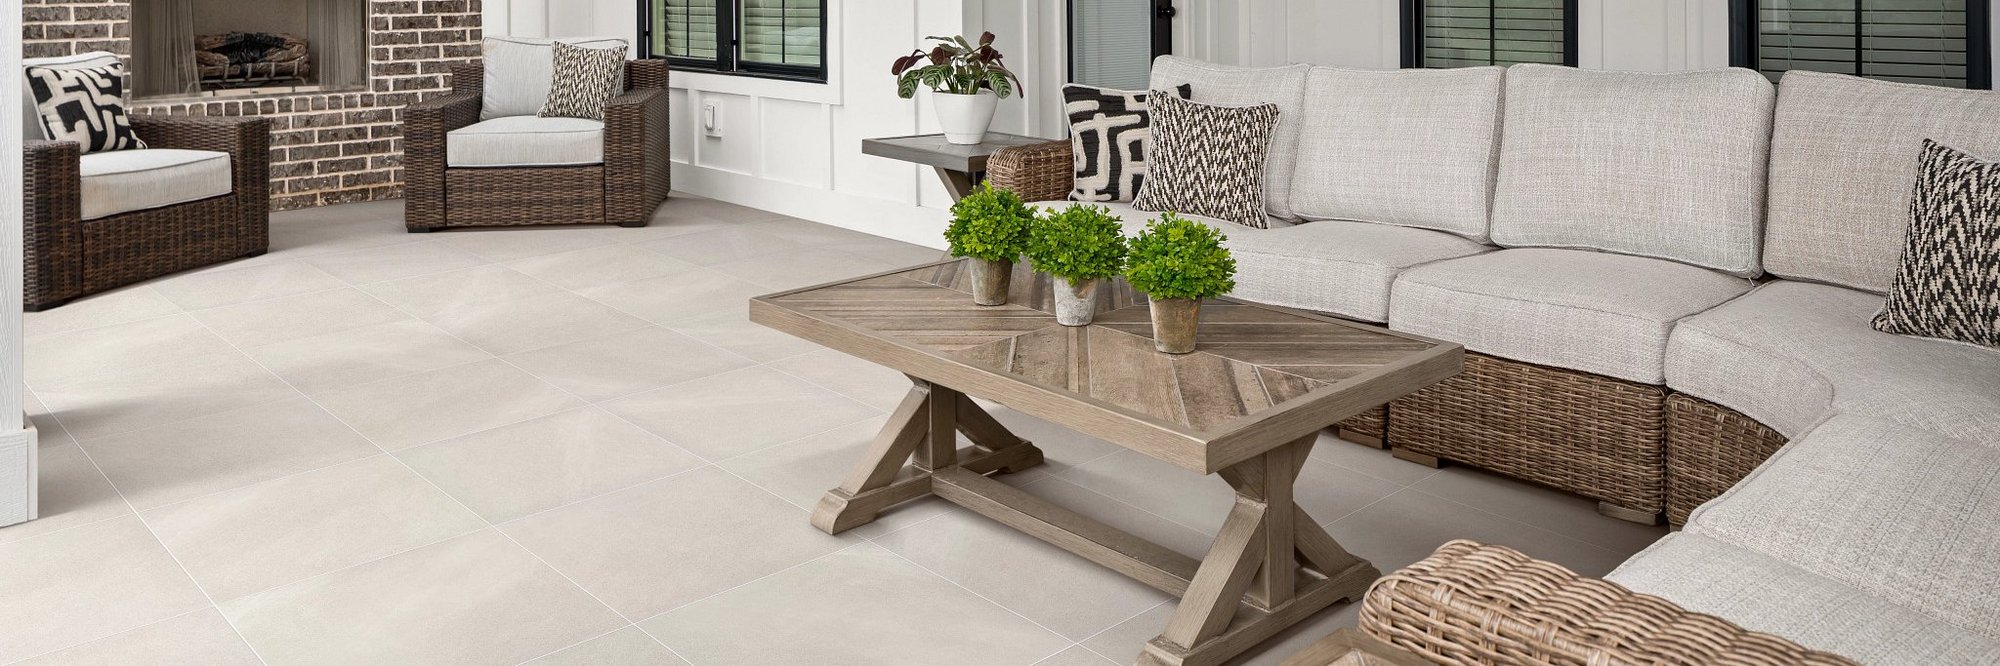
pixel 711 118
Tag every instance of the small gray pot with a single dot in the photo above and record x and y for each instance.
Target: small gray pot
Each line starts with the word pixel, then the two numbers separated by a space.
pixel 990 280
pixel 1175 321
pixel 1076 300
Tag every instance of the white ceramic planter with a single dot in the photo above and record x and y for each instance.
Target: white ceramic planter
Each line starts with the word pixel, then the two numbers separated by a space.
pixel 965 117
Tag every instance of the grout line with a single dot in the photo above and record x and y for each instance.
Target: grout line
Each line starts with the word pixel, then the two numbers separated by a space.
pixel 1059 635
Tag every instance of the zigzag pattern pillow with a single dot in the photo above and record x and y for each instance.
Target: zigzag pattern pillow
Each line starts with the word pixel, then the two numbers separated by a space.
pixel 85 105
pixel 1948 284
pixel 1110 134
pixel 585 80
pixel 1208 160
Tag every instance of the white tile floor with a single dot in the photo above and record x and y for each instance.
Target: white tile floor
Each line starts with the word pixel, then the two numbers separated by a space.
pixel 569 446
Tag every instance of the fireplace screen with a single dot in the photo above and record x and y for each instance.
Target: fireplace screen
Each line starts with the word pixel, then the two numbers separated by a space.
pixel 234 47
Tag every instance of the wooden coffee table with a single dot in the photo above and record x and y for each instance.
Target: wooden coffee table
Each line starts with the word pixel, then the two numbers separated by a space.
pixel 1248 405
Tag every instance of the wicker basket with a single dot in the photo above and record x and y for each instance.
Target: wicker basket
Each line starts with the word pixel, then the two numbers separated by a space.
pixel 1710 448
pixel 1476 604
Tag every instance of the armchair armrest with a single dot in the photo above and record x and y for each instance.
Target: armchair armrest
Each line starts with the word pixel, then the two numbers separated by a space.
pixel 51 223
pixel 425 124
pixel 1470 603
pixel 248 142
pixel 637 155
pixel 1038 172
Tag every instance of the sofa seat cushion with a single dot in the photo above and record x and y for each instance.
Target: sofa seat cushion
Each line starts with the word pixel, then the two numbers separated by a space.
pixel 1598 312
pixel 1762 593
pixel 517 141
pixel 1791 351
pixel 1667 165
pixel 1336 267
pixel 122 181
pixel 1413 147
pixel 1904 514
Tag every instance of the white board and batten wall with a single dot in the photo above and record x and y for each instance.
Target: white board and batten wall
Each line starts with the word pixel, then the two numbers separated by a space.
pixel 18 446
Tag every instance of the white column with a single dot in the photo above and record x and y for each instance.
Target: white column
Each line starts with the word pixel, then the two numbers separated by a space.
pixel 18 488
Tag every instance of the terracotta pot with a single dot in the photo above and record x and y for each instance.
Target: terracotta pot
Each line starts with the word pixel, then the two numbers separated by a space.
pixel 990 280
pixel 965 117
pixel 1076 300
pixel 1174 323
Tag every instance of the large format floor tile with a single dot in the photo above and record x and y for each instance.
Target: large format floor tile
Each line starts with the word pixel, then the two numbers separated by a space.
pixel 515 470
pixel 505 327
pixel 1202 502
pixel 620 364
pixel 125 304
pixel 732 330
pixel 626 647
pixel 128 399
pixel 294 317
pixel 865 382
pixel 738 412
pixel 200 638
pixel 430 406
pixel 361 355
pixel 258 537
pixel 82 584
pixel 243 284
pixel 668 299
pixel 658 546
pixel 475 599
pixel 598 266
pixel 73 493
pixel 863 605
pixel 396 261
pixel 188 459
pixel 503 244
pixel 120 346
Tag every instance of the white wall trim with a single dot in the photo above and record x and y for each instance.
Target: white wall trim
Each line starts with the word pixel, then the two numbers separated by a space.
pixel 888 218
pixel 18 485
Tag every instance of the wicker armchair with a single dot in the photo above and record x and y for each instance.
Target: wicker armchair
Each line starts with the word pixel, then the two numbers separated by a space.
pixel 625 189
pixel 1472 604
pixel 66 256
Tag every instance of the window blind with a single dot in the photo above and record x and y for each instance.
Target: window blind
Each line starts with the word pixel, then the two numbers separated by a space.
pixel 1915 41
pixel 1111 43
pixel 1470 33
pixel 684 28
pixel 781 32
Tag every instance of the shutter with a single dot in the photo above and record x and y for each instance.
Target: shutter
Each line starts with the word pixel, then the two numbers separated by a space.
pixel 782 32
pixel 1111 43
pixel 1470 33
pixel 686 28
pixel 1915 41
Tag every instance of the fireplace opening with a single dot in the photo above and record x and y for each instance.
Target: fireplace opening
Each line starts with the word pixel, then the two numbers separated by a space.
pixel 248 47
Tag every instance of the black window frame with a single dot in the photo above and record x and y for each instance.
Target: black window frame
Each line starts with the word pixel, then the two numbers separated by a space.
pixel 1412 17
pixel 728 50
pixel 1743 32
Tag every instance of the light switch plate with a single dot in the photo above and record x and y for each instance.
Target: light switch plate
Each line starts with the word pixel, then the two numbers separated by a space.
pixel 711 118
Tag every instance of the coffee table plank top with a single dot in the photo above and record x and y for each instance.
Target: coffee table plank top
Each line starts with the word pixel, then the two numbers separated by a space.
pixel 1260 377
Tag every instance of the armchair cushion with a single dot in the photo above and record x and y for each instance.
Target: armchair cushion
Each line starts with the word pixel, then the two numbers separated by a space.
pixel 123 181
pixel 518 141
pixel 519 71
pixel 31 120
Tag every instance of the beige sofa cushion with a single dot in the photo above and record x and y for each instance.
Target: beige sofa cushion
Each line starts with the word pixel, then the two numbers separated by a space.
pixel 1413 147
pixel 122 181
pixel 519 71
pixel 1657 165
pixel 526 141
pixel 1791 351
pixel 1843 163
pixel 1592 311
pixel 1225 85
pixel 1763 593
pixel 1905 514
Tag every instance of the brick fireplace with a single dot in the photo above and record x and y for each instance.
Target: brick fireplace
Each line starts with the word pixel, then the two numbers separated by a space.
pixel 326 147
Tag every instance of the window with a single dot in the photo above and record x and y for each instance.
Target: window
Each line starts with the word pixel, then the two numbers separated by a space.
pixel 1934 42
pixel 776 38
pixel 1472 33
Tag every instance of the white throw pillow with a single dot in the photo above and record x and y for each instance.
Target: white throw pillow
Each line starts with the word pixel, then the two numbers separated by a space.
pixel 519 71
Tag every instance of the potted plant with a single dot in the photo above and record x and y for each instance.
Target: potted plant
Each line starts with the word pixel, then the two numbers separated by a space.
pixel 989 226
pixel 967 82
pixel 1080 246
pixel 1177 263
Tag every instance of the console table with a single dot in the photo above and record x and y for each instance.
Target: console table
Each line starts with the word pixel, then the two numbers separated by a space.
pixel 961 166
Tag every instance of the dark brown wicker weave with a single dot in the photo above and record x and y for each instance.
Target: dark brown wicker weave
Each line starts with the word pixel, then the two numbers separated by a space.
pixel 1584 433
pixel 1709 449
pixel 1475 604
pixel 625 190
pixel 65 256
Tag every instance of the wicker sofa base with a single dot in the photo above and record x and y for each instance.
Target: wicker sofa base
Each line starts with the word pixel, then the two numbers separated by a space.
pixel 1710 448
pixel 1369 428
pixel 524 196
pixel 1587 434
pixel 1476 604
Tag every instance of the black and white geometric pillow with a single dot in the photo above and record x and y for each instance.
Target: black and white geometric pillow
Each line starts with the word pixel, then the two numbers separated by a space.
pixel 1208 160
pixel 85 105
pixel 1110 135
pixel 1948 283
pixel 584 80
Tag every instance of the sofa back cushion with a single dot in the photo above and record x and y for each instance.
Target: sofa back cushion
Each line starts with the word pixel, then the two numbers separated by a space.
pixel 519 71
pixel 1843 163
pixel 1225 85
pixel 31 119
pixel 1658 165
pixel 1413 147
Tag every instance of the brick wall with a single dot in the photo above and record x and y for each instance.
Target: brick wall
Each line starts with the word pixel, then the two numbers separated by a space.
pixel 326 148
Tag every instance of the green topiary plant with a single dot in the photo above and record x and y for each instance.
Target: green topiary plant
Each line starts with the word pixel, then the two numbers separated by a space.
pixel 1078 243
pixel 990 224
pixel 1176 258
